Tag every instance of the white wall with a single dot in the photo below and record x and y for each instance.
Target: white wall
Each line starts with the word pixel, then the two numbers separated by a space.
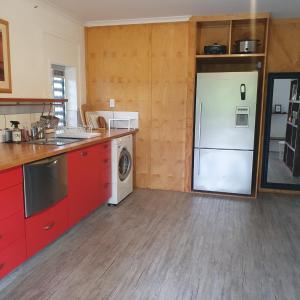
pixel 38 37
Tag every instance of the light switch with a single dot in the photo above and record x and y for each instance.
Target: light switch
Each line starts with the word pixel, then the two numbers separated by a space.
pixel 112 103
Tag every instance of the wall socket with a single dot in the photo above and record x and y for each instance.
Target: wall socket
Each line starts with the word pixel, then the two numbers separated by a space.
pixel 112 103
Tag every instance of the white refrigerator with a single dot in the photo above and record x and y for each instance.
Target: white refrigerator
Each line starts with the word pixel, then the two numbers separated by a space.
pixel 225 117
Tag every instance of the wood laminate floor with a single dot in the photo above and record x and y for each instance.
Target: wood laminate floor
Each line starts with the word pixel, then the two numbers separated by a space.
pixel 169 245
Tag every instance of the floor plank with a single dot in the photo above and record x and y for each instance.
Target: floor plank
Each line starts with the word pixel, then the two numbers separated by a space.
pixel 171 245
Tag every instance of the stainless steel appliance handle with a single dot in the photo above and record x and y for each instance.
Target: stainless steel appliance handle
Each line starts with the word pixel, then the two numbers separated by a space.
pixel 200 120
pixel 45 162
pixel 49 226
pixel 199 163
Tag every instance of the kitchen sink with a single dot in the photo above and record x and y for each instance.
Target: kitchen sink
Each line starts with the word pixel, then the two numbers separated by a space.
pixel 55 141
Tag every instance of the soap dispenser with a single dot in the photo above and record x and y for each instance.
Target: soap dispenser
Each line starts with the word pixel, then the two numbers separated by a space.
pixel 16 134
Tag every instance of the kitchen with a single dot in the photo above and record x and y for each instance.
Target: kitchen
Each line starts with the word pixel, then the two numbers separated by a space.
pixel 147 66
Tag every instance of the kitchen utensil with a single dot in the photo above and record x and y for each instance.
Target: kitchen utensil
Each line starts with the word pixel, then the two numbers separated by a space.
pixel 34 132
pixel 101 122
pixel 41 132
pixel 215 49
pixel 25 135
pixel 247 46
pixel 49 121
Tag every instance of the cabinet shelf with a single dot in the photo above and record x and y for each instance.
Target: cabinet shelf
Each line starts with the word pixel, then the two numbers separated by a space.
pixel 29 101
pixel 292 138
pixel 208 56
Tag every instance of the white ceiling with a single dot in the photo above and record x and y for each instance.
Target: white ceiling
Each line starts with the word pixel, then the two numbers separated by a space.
pixel 100 10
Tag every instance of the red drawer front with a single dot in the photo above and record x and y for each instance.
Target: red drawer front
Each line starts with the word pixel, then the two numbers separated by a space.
pixel 106 191
pixel 12 256
pixel 11 201
pixel 10 177
pixel 11 229
pixel 47 226
pixel 105 147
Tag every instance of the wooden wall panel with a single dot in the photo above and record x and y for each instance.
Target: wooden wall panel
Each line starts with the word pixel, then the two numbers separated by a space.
pixel 169 95
pixel 144 67
pixel 284 46
pixel 118 66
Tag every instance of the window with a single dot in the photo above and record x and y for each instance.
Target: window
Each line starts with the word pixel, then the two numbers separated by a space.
pixel 58 89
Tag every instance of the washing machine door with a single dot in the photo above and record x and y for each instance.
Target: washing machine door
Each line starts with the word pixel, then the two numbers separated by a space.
pixel 125 164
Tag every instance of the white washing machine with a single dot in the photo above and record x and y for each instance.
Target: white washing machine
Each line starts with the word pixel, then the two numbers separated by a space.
pixel 122 168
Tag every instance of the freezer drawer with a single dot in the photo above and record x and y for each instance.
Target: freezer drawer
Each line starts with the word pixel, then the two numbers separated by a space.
pixel 227 171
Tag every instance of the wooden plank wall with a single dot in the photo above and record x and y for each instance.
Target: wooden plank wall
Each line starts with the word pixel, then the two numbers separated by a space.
pixel 284 46
pixel 118 66
pixel 144 67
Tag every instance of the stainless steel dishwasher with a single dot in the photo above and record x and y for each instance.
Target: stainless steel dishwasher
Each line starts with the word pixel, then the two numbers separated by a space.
pixel 45 183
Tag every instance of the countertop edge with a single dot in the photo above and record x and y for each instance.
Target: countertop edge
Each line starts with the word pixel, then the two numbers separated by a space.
pixel 44 151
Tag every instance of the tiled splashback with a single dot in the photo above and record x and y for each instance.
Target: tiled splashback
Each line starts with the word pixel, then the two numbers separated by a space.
pixel 25 114
pixel 24 119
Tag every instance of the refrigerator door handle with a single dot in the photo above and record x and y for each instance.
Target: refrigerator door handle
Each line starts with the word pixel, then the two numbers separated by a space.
pixel 199 162
pixel 199 124
pixel 198 116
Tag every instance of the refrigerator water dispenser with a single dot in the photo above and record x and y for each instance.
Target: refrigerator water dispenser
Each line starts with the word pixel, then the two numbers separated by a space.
pixel 242 116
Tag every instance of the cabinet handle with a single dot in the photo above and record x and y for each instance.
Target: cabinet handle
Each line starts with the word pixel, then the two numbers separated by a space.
pixel 49 226
pixel 2 266
pixel 83 153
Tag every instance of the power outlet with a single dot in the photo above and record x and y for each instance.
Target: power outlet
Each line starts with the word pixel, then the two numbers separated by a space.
pixel 112 103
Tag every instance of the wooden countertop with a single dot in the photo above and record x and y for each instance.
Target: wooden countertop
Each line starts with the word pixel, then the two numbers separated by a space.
pixel 13 155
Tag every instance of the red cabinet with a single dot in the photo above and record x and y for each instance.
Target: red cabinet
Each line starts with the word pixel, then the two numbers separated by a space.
pixel 10 177
pixel 89 186
pixel 11 201
pixel 45 227
pixel 12 256
pixel 12 227
pixel 89 179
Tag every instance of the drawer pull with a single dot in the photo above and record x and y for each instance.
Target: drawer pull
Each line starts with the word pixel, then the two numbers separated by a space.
pixel 2 266
pixel 83 153
pixel 48 227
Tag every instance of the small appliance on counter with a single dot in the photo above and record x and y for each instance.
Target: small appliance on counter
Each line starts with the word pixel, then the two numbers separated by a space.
pixel 215 49
pixel 247 46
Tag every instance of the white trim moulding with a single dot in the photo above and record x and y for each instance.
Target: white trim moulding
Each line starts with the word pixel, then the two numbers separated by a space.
pixel 137 21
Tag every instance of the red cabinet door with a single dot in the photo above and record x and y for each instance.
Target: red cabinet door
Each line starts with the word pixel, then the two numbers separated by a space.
pixel 10 177
pixel 11 201
pixel 86 171
pixel 45 227
pixel 12 256
pixel 79 185
pixel 11 229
